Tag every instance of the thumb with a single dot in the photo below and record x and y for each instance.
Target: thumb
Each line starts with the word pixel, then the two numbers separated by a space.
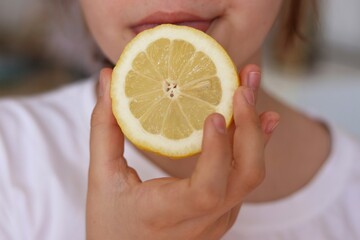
pixel 106 138
pixel 213 167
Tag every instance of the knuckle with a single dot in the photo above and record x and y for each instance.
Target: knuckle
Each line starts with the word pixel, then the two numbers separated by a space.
pixel 98 183
pixel 220 227
pixel 95 182
pixel 206 199
pixel 233 216
pixel 253 178
pixel 226 222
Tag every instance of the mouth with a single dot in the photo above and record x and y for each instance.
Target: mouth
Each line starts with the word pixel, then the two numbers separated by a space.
pixel 177 18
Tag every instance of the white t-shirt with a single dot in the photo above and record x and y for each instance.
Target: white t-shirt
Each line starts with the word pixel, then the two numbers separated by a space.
pixel 44 158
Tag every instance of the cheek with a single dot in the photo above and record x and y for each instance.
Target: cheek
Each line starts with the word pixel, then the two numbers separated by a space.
pixel 243 29
pixel 107 25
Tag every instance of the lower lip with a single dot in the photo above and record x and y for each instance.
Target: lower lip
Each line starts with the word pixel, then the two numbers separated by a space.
pixel 200 25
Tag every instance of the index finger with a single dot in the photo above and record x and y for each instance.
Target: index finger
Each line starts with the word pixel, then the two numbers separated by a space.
pixel 249 144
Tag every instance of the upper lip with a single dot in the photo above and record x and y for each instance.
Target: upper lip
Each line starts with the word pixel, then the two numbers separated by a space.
pixel 169 17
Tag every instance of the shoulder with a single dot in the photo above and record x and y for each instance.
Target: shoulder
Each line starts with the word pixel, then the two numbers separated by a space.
pixel 27 123
pixel 346 151
pixel 44 155
pixel 325 208
pixel 21 113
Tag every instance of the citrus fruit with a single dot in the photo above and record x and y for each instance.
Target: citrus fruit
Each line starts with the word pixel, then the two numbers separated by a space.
pixel 166 82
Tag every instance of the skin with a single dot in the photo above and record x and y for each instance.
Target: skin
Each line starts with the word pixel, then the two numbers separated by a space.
pixel 203 198
pixel 111 22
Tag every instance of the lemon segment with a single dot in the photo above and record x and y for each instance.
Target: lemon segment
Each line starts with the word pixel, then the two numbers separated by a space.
pixel 166 82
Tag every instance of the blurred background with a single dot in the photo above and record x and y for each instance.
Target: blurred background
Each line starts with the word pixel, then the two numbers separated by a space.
pixel 38 52
pixel 43 45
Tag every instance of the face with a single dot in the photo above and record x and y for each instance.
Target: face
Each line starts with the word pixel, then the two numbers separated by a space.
pixel 240 26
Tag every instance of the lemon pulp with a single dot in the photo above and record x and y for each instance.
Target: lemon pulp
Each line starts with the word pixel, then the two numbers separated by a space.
pixel 172 88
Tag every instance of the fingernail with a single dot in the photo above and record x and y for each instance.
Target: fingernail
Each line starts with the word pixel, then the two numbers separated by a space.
pixel 248 93
pixel 253 80
pixel 271 126
pixel 219 124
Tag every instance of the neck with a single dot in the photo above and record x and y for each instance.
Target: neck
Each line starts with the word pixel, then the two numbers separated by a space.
pixel 296 152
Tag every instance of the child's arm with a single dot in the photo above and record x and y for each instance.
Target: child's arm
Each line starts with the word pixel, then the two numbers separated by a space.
pixel 204 206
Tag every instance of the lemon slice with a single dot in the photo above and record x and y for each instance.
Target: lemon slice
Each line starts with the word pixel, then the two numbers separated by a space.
pixel 166 82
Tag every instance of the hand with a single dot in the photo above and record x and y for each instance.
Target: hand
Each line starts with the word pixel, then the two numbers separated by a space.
pixel 203 206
